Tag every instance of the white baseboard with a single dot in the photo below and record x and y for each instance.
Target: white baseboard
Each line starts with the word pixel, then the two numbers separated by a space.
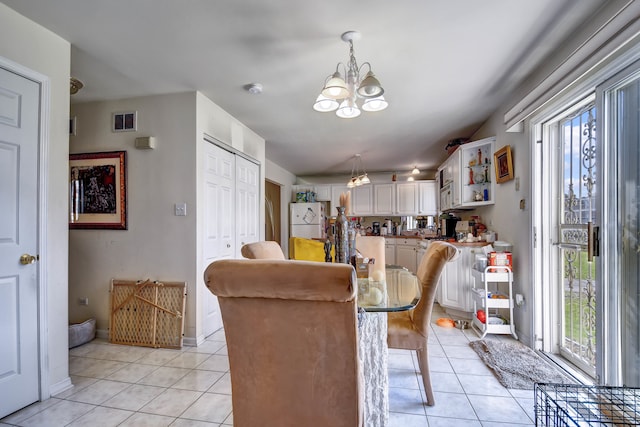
pixel 60 386
pixel 186 341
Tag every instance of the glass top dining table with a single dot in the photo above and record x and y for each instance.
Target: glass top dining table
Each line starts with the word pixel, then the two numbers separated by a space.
pixel 399 291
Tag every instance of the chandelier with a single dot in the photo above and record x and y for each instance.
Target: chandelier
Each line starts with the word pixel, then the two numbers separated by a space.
pixel 357 178
pixel 350 87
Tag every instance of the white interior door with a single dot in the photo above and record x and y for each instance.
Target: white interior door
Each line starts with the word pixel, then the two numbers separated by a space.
pixel 19 118
pixel 219 221
pixel 247 203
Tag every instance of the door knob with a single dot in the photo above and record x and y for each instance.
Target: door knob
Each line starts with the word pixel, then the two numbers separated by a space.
pixel 26 259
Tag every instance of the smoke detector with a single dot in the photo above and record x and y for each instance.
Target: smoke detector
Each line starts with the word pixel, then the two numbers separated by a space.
pixel 254 88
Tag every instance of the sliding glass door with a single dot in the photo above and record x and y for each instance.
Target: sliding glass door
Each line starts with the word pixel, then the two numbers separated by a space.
pixel 569 162
pixel 619 99
pixel 588 229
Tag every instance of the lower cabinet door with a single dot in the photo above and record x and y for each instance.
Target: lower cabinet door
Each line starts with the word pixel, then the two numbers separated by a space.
pixel 455 283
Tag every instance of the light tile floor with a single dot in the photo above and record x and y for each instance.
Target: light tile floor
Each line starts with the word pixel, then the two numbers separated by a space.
pixel 135 386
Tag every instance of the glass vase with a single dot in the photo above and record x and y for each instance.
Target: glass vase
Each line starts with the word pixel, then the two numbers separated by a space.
pixel 342 236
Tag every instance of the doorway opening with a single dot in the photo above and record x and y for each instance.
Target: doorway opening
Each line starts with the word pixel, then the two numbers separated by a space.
pixel 273 229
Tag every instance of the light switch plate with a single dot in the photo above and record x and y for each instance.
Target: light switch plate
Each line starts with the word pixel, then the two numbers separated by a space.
pixel 181 209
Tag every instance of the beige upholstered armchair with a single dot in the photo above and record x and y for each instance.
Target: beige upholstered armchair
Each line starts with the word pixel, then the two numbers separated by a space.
pixel 262 250
pixel 409 330
pixel 292 338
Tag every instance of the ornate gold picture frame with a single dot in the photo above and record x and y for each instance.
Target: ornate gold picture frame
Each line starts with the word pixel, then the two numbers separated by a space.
pixel 503 164
pixel 97 190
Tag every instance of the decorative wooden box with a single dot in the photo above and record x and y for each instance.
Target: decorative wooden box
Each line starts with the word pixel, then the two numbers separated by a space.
pixel 147 313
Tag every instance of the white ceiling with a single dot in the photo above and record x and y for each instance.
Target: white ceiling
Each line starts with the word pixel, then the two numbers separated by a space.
pixel 445 65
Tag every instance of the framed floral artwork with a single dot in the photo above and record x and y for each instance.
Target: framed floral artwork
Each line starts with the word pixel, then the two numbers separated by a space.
pixel 97 190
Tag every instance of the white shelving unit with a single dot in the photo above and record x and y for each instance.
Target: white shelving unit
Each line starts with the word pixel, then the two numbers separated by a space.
pixel 485 288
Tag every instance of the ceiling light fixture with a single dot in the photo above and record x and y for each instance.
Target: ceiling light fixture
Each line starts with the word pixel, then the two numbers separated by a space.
pixel 357 178
pixel 415 171
pixel 349 88
pixel 75 85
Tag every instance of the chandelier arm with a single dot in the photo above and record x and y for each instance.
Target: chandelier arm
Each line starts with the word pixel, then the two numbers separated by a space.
pixel 362 66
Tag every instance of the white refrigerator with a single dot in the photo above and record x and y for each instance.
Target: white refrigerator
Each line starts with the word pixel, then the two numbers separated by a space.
pixel 307 220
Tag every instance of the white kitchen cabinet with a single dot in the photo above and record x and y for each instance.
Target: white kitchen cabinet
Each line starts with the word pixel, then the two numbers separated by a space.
pixel 362 200
pixel 406 254
pixel 427 198
pixel 456 282
pixel 336 191
pixel 407 198
pixel 477 183
pixel 323 192
pixel 384 199
pixel 390 251
pixel 467 177
pixel 448 174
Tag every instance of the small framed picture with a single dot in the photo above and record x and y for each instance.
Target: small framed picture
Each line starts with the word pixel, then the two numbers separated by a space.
pixel 98 190
pixel 124 121
pixel 503 164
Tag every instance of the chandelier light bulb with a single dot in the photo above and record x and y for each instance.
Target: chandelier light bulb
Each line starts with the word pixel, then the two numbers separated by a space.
pixel 348 109
pixel 375 104
pixel 415 170
pixel 324 104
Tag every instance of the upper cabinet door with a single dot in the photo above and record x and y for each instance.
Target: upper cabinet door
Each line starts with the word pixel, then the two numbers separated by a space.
pixel 407 198
pixel 427 198
pixel 384 199
pixel 362 200
pixel 323 193
pixel 336 191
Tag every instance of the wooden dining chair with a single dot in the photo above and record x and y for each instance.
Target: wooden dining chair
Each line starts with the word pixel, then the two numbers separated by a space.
pixel 409 330
pixel 262 250
pixel 292 339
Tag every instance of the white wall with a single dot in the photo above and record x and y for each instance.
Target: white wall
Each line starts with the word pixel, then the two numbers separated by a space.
pixel 157 244
pixel 513 224
pixel 40 50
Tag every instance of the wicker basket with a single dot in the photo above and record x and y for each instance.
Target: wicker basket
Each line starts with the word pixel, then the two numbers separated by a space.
pixel 147 313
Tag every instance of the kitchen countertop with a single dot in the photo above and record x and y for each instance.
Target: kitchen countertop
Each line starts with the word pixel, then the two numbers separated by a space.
pixel 465 244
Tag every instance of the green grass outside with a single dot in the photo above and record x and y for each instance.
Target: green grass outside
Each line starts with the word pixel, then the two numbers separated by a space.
pixel 574 306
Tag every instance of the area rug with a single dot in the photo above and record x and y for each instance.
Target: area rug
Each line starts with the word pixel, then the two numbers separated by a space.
pixel 517 366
